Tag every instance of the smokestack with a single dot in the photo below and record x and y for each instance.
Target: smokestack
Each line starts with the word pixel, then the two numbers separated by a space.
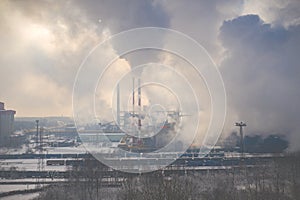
pixel 133 96
pixel 139 103
pixel 118 104
pixel 139 93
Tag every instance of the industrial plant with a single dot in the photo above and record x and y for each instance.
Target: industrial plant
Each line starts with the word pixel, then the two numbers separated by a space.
pixel 55 153
pixel 6 124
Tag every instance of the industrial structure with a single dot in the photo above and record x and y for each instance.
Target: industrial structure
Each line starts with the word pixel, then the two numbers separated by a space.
pixel 242 144
pixel 6 123
pixel 138 135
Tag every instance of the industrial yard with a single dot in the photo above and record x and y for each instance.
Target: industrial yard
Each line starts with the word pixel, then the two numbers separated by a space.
pixel 149 100
pixel 56 171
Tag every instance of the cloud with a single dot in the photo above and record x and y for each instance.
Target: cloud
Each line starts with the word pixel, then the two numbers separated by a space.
pixel 125 14
pixel 201 20
pixel 42 47
pixel 261 74
pixel 43 44
pixel 51 39
pixel 278 12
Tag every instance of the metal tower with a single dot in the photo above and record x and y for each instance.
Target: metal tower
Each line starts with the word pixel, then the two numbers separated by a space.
pixel 242 145
pixel 39 150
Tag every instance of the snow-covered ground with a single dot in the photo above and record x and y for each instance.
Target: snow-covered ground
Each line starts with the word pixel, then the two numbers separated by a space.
pixel 21 197
pixel 9 187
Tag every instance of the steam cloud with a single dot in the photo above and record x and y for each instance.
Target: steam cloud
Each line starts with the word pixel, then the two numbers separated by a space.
pixel 255 43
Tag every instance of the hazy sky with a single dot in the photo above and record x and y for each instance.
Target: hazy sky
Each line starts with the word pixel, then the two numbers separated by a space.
pixel 255 43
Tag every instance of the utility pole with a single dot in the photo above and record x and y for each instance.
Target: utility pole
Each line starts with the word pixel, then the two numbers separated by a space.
pixel 242 144
pixel 37 135
pixel 41 152
pixel 38 150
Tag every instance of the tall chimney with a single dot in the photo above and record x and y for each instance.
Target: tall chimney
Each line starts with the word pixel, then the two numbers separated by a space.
pixel 139 103
pixel 118 104
pixel 133 96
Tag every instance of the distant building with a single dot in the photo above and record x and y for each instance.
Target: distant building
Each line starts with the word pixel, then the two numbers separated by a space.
pixel 6 123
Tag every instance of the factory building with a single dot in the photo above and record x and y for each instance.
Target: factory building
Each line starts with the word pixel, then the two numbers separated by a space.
pixel 6 123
